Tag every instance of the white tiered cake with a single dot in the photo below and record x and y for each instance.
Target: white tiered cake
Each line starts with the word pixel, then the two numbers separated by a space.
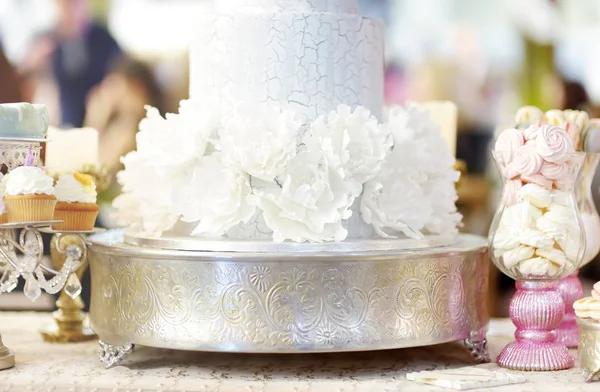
pixel 282 138
pixel 311 54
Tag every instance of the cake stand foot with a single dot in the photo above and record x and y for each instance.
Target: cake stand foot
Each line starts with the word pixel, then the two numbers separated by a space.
pixel 7 359
pixel 110 355
pixel 476 343
pixel 571 290
pixel 536 309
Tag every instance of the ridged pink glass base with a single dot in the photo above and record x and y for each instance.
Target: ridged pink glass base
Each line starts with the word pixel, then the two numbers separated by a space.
pixel 571 290
pixel 536 309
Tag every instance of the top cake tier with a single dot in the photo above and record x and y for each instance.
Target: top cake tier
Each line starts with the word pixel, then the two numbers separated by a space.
pixel 242 6
pixel 23 120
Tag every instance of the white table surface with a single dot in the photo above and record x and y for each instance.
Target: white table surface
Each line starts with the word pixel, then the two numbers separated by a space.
pixel 74 367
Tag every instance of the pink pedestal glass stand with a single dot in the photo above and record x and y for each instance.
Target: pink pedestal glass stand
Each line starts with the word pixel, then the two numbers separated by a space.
pixel 536 309
pixel 571 290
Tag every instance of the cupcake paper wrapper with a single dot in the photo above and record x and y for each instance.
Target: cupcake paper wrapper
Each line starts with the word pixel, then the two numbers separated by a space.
pixel 30 209
pixel 74 219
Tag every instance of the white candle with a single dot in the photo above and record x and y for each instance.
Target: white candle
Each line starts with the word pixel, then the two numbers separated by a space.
pixel 445 114
pixel 71 150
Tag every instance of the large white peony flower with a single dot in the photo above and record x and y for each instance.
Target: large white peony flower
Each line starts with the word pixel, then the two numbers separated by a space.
pixel 259 139
pixel 215 195
pixel 310 200
pixel 415 191
pixel 172 144
pixel 357 139
pixel 442 192
pixel 395 203
pixel 145 204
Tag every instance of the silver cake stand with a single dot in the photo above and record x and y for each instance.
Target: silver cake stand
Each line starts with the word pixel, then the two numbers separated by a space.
pixel 286 301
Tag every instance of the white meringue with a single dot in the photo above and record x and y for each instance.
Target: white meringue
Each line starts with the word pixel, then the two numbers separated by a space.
pixel 506 238
pixel 556 256
pixel 538 266
pixel 571 247
pixel 535 238
pixel 551 228
pixel 563 216
pixel 520 215
pixel 511 257
pixel 560 197
pixel 538 196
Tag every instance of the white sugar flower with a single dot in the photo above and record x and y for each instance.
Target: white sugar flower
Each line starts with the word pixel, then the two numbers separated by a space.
pixel 145 204
pixel 172 144
pixel 216 196
pixel 395 203
pixel 259 139
pixel 428 150
pixel 310 199
pixel 357 139
pixel 415 191
pixel 442 192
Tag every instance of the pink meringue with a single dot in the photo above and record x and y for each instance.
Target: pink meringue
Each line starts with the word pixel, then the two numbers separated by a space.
pixel 511 191
pixel 596 292
pixel 526 161
pixel 532 131
pixel 556 171
pixel 554 144
pixel 508 143
pixel 538 179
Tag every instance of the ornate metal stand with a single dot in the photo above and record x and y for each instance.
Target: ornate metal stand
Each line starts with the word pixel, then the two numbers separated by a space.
pixel 571 290
pixel 476 343
pixel 287 302
pixel 29 266
pixel 69 318
pixel 536 309
pixel 111 355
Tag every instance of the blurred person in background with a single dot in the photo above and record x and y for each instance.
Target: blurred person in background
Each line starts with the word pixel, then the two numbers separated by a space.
pixel 115 108
pixel 10 86
pixel 79 53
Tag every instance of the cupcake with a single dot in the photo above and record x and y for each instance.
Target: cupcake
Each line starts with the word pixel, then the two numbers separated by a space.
pixel 3 212
pixel 29 195
pixel 587 311
pixel 76 207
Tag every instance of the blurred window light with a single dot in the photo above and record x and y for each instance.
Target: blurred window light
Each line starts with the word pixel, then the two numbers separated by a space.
pixel 21 21
pixel 155 27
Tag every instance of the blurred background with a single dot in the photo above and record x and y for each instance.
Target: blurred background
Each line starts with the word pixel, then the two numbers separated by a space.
pixel 490 57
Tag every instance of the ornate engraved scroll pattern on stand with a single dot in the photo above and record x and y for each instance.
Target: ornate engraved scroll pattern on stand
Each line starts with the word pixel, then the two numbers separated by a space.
pixel 292 303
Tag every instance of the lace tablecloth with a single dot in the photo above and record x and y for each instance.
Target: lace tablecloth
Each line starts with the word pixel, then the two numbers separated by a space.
pixel 74 367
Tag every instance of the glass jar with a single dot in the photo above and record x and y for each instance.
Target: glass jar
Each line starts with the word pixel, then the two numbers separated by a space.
pixel 537 238
pixel 537 232
pixel 587 207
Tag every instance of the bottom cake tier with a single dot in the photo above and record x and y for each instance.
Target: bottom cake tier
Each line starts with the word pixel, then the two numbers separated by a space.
pixel 287 302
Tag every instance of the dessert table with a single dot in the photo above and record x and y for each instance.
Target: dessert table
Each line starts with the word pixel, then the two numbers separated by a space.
pixel 75 367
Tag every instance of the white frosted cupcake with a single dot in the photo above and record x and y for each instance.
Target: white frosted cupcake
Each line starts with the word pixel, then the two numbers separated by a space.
pixel 3 212
pixel 76 207
pixel 29 195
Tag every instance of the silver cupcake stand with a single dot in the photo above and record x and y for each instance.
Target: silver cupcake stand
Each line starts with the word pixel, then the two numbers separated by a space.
pixel 261 297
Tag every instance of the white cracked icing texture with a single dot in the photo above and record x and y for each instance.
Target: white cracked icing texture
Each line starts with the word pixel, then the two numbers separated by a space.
pixel 334 6
pixel 312 61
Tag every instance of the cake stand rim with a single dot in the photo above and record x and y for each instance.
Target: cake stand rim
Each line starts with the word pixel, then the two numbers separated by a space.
pixel 198 244
pixel 111 241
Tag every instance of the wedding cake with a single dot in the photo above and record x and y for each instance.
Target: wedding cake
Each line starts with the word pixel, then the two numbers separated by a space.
pixel 284 137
